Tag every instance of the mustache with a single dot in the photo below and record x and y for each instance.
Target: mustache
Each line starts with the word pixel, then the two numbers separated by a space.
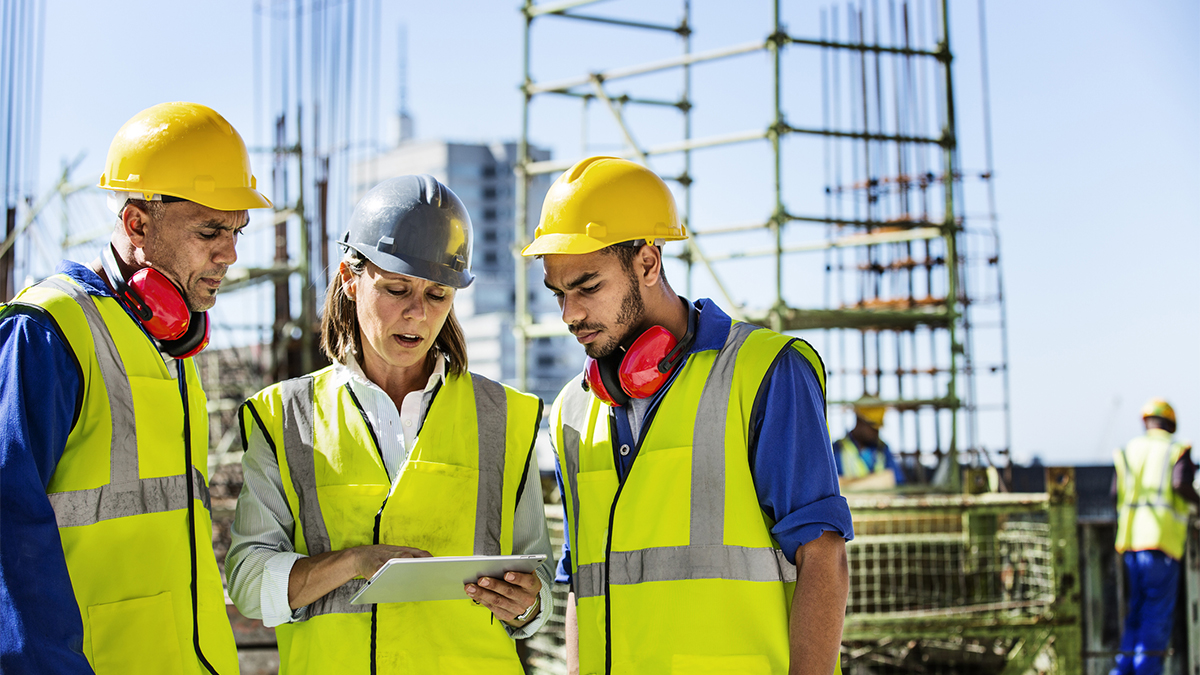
pixel 578 328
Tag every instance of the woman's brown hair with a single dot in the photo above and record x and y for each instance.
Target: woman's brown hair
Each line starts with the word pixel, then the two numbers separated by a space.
pixel 341 338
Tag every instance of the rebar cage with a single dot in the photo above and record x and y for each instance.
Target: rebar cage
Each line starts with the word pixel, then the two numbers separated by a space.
pixel 972 583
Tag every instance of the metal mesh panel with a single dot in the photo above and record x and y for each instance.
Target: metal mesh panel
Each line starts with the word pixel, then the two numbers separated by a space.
pixel 949 584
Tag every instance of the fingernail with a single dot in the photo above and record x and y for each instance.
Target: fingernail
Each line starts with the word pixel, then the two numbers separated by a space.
pixel 470 589
pixel 484 582
pixel 510 576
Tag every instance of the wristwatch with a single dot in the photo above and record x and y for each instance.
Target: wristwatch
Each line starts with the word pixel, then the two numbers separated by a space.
pixel 537 601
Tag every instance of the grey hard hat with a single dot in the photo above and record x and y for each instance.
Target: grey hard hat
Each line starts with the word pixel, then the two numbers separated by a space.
pixel 416 226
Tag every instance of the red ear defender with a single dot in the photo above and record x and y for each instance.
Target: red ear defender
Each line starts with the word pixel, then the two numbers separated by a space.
pixel 644 369
pixel 594 382
pixel 641 370
pixel 160 307
pixel 169 313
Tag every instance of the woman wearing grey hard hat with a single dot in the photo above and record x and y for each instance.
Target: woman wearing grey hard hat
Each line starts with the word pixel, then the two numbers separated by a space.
pixel 394 451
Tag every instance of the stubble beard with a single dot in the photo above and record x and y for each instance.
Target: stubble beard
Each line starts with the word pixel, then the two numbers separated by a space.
pixel 633 309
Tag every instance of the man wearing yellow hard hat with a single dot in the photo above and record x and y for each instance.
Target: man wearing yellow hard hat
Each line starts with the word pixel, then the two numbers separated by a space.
pixel 864 460
pixel 107 562
pixel 705 531
pixel 1153 484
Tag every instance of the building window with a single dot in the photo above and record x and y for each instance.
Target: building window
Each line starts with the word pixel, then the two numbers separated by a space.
pixel 544 361
pixel 489 171
pixel 490 235
pixel 489 214
pixel 489 258
pixel 489 193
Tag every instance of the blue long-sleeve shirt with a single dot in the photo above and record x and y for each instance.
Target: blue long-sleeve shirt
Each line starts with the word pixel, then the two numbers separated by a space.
pixel 40 627
pixel 792 462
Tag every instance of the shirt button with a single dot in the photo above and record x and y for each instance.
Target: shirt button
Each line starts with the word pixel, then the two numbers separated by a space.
pixel 408 423
pixel 624 450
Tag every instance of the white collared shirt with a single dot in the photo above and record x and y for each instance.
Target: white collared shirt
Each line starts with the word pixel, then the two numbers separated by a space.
pixel 261 554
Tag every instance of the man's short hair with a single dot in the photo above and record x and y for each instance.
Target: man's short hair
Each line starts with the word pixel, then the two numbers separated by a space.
pixel 626 251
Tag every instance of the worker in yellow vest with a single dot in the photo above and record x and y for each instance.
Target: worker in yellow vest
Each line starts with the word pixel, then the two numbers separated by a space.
pixel 1153 483
pixel 705 531
pixel 862 457
pixel 107 560
pixel 394 451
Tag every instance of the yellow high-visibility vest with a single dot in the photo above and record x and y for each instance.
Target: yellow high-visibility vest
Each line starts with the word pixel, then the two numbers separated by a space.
pixel 1150 515
pixel 675 570
pixel 853 465
pixel 124 491
pixel 456 496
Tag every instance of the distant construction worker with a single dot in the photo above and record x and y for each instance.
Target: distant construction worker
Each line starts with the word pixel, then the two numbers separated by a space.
pixel 107 560
pixel 699 486
pixel 862 454
pixel 1152 522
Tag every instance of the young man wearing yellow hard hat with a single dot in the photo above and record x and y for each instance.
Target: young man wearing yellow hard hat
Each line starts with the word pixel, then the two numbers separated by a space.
pixel 107 563
pixel 705 532
pixel 864 460
pixel 1153 485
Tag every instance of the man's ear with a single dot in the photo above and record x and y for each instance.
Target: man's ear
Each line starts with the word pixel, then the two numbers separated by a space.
pixel 134 220
pixel 648 264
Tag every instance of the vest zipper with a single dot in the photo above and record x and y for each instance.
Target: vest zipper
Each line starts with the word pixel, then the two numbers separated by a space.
pixel 375 530
pixel 621 480
pixel 191 511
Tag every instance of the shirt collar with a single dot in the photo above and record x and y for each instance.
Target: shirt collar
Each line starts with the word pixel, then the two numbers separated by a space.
pixel 84 276
pixel 712 327
pixel 353 371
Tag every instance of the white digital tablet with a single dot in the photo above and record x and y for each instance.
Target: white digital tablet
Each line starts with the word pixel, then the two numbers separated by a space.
pixel 437 578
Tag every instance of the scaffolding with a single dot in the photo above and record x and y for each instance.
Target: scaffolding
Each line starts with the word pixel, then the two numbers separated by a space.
pixel 830 203
pixel 860 244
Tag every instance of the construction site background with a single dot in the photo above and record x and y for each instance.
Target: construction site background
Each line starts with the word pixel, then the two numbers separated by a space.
pixel 848 198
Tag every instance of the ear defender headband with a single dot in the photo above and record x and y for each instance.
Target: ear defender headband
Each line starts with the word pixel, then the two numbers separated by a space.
pixel 641 370
pixel 160 307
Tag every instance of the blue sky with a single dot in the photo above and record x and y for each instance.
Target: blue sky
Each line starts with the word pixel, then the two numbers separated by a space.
pixel 1097 152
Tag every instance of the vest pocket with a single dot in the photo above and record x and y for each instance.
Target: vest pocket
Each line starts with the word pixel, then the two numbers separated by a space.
pixel 466 665
pixel 135 636
pixel 698 664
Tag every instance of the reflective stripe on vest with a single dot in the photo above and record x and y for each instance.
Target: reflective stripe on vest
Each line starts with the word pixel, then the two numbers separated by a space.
pixel 150 600
pixel 853 465
pixel 1156 499
pixel 491 409
pixel 705 556
pixel 125 494
pixel 1150 516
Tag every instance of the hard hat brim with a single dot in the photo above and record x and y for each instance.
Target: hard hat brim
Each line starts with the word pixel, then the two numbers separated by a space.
pixel 421 269
pixel 575 244
pixel 227 199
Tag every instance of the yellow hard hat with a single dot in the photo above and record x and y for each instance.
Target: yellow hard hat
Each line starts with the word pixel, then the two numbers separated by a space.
pixel 603 201
pixel 183 150
pixel 1156 407
pixel 871 410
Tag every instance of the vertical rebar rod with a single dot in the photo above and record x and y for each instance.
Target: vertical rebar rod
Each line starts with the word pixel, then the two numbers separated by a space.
pixel 985 90
pixel 778 217
pixel 864 275
pixel 827 147
pixel 951 237
pixel 521 318
pixel 687 136
pixel 902 198
pixel 305 260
